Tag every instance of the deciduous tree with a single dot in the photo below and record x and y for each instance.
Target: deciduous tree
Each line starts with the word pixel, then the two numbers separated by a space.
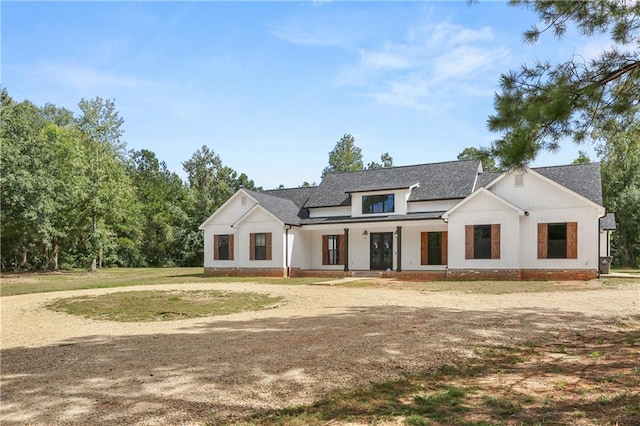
pixel 483 155
pixel 620 159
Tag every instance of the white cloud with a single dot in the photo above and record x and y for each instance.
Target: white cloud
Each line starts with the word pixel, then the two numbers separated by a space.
pixel 79 77
pixel 410 92
pixel 384 60
pixel 466 60
pixel 430 66
pixel 309 37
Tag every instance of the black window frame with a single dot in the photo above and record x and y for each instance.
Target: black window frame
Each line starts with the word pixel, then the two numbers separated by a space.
pixel 434 248
pixel 482 241
pixel 260 250
pixel 376 204
pixel 557 241
pixel 223 247
pixel 333 250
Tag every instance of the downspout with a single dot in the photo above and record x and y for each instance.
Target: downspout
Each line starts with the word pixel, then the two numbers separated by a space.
pixel 399 248
pixel 600 217
pixel 286 250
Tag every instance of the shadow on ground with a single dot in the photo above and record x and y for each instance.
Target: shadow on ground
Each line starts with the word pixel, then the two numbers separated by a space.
pixel 224 370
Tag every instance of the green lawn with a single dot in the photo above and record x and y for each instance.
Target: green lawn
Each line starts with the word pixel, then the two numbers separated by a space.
pixel 27 283
pixel 150 305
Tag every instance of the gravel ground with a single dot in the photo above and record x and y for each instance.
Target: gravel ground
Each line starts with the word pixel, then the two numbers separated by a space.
pixel 61 369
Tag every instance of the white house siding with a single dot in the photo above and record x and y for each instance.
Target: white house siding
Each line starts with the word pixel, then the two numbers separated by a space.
pixel 359 246
pixel 430 206
pixel 485 210
pixel 411 244
pixel 588 235
pixel 259 221
pixel 299 248
pixel 316 247
pixel 209 232
pixel 224 218
pixel 329 211
pixel 400 201
pixel 548 203
pixel 535 193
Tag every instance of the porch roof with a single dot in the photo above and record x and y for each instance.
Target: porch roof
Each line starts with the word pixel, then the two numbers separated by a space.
pixel 370 219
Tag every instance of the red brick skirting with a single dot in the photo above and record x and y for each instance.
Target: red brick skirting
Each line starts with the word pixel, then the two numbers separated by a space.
pixel 521 274
pixel 451 274
pixel 246 272
pixel 559 274
pixel 484 274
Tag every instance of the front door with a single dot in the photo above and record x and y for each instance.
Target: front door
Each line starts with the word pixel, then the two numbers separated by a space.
pixel 381 251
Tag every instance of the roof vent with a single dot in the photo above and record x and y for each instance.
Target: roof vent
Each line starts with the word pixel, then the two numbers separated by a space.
pixel 519 179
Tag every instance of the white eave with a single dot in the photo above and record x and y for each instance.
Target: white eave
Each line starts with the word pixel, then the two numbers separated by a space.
pixel 479 192
pixel 552 182
pixel 223 206
pixel 251 210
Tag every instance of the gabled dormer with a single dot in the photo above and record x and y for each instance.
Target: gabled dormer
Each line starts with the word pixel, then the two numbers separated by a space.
pixel 394 191
pixel 385 201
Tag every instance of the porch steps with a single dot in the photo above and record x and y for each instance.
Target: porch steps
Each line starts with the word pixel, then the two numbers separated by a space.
pixel 366 274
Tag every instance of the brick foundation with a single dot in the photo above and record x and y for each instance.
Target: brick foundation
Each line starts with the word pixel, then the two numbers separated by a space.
pixel 246 272
pixel 451 274
pixel 559 274
pixel 484 274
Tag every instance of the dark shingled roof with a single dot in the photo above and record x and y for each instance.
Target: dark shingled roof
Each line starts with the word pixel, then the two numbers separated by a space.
pixel 583 179
pixel 486 178
pixel 438 181
pixel 285 209
pixel 608 223
pixel 299 196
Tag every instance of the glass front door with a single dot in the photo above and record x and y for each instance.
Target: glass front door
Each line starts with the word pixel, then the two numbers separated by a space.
pixel 381 251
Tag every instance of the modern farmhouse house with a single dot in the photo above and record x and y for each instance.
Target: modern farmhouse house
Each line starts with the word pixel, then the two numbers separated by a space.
pixel 429 221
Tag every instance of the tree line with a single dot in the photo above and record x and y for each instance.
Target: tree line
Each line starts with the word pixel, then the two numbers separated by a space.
pixel 73 196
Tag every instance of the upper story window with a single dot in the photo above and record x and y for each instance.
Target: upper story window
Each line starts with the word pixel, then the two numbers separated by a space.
pixel 378 203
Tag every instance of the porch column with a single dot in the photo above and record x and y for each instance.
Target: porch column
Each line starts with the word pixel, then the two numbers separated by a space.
pixel 346 249
pixel 399 245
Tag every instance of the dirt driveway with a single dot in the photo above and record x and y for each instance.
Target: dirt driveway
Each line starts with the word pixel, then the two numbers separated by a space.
pixel 58 368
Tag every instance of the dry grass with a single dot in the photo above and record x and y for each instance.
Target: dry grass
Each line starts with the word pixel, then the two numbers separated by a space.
pixel 593 379
pixel 148 305
pixel 43 282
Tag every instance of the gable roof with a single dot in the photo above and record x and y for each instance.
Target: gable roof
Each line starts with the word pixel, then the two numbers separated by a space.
pixel 299 196
pixel 484 192
pixel 436 181
pixel 608 223
pixel 284 209
pixel 583 179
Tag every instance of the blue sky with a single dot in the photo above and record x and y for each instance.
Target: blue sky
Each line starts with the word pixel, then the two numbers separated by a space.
pixel 272 86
